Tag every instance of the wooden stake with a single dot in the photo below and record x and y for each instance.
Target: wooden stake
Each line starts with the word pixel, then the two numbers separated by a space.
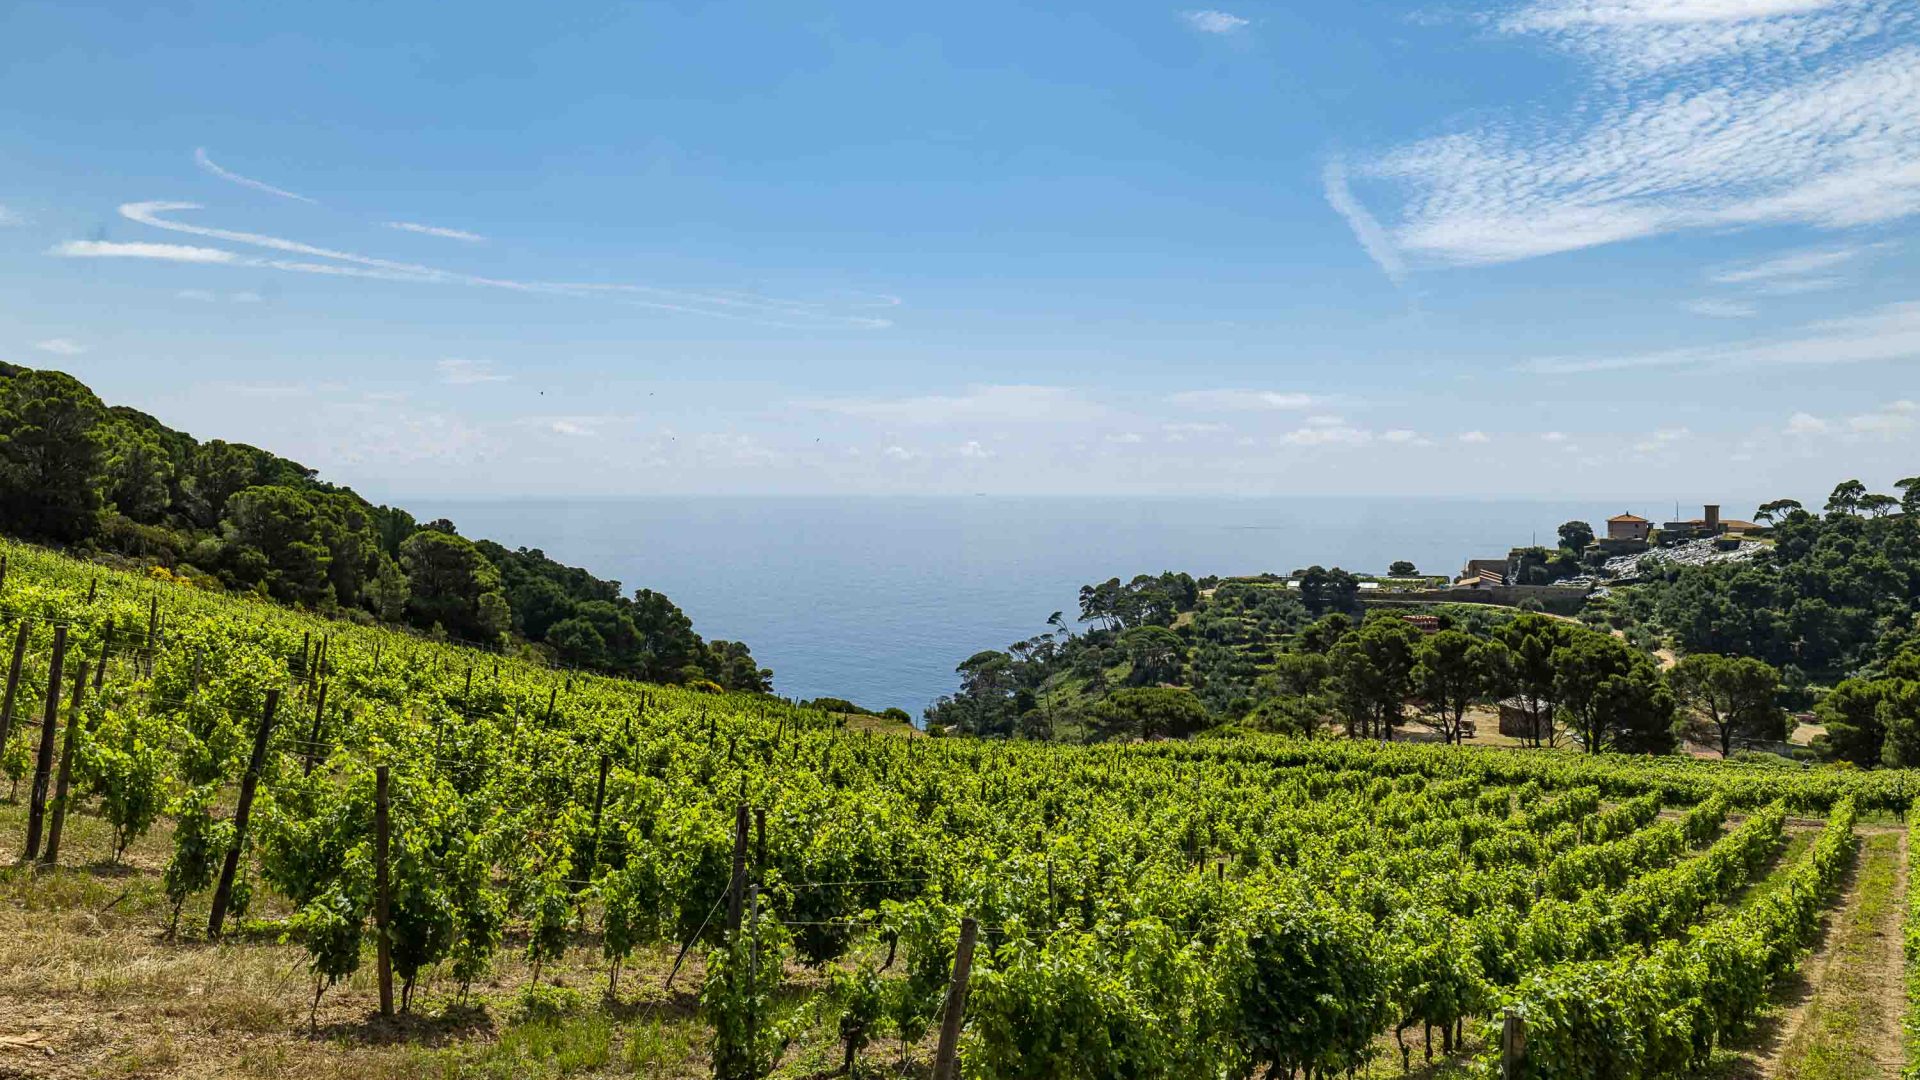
pixel 100 670
pixel 382 888
pixel 599 801
pixel 313 739
pixel 3 573
pixel 93 589
pixel 223 893
pixel 759 846
pixel 57 810
pixel 13 680
pixel 946 1058
pixel 1513 1044
pixel 43 762
pixel 736 887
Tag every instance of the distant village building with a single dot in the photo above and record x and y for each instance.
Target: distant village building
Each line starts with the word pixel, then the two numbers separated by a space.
pixel 1426 624
pixel 1628 527
pixel 1709 524
pixel 1479 572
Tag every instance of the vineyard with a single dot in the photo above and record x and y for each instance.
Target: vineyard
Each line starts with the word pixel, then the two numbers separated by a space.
pixel 431 830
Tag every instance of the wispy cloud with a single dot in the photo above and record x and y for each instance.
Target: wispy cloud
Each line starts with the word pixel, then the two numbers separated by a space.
pixel 109 249
pixel 60 346
pixel 436 230
pixel 1793 264
pixel 208 296
pixel 1009 404
pixel 201 159
pixel 315 259
pixel 972 450
pixel 1366 228
pixel 1327 434
pixel 1703 114
pixel 10 216
pixel 457 372
pixel 1715 308
pixel 1475 437
pixel 1209 21
pixel 1891 420
pixel 1242 400
pixel 1887 333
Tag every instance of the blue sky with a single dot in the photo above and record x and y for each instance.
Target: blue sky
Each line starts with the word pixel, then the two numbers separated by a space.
pixel 1566 247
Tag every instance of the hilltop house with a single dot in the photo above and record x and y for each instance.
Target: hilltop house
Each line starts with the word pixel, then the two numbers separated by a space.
pixel 1628 527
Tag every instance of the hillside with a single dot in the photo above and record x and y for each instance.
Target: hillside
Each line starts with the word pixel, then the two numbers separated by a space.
pixel 591 877
pixel 1822 624
pixel 118 483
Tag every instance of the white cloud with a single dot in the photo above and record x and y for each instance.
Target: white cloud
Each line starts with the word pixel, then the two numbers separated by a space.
pixel 1885 422
pixel 1793 264
pixel 201 159
pixel 898 453
pixel 1475 437
pixel 208 296
pixel 108 249
pixel 763 311
pixel 1127 438
pixel 1891 332
pixel 1366 228
pixel 1243 400
pixel 1213 22
pixel 1662 439
pixel 457 372
pixel 1335 434
pixel 1553 436
pixel 1715 308
pixel 60 346
pixel 972 449
pixel 1787 113
pixel 435 230
pixel 1401 435
pixel 993 404
pixel 1802 423
pixel 10 216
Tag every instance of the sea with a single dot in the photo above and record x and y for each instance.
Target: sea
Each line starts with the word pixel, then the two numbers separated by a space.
pixel 877 598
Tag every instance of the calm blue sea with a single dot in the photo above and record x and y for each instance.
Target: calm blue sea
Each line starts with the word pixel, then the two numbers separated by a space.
pixel 877 598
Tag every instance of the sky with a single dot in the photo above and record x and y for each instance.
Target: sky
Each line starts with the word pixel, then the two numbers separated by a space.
pixel 1476 247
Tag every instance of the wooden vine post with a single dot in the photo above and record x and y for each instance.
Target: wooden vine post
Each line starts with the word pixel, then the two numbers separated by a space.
pixel 13 680
pixel 737 885
pixel 947 1057
pixel 382 888
pixel 223 893
pixel 599 802
pixel 3 573
pixel 1513 1044
pixel 313 737
pixel 753 983
pixel 100 669
pixel 43 760
pixel 63 780
pixel 760 846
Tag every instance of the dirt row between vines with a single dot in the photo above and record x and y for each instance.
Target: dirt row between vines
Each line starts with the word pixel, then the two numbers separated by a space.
pixel 1838 1017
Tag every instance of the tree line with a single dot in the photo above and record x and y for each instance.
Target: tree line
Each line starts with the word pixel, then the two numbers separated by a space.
pixel 116 481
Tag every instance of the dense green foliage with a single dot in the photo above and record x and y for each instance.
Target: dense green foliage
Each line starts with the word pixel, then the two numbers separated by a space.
pixel 1168 909
pixel 117 481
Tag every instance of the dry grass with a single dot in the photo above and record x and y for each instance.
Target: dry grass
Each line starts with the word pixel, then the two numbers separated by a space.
pixel 91 987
